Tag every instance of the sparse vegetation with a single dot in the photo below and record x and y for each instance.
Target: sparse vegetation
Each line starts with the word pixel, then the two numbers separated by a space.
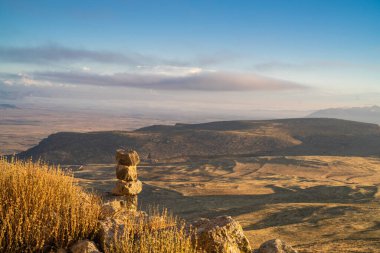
pixel 42 207
pixel 329 202
pixel 155 232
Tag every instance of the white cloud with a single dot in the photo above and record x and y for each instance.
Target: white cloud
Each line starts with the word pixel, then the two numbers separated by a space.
pixel 8 82
pixel 167 70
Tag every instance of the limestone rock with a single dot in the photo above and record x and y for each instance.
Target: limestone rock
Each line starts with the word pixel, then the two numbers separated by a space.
pixel 128 158
pixel 221 234
pixel 127 188
pixel 121 207
pixel 112 229
pixel 275 246
pixel 131 202
pixel 128 185
pixel 109 209
pixel 84 246
pixel 127 173
pixel 108 230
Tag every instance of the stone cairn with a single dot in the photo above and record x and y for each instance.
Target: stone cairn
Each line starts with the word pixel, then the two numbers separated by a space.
pixel 126 171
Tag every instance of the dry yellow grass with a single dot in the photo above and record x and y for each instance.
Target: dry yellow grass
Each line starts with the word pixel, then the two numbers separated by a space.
pixel 42 207
pixel 155 232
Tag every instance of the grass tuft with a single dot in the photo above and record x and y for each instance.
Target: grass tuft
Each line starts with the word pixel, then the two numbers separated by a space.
pixel 158 231
pixel 42 207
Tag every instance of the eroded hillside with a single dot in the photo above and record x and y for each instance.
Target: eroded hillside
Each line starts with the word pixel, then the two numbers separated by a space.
pixel 231 138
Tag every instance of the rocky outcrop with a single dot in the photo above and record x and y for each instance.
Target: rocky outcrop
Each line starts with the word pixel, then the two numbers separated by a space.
pixel 122 210
pixel 125 188
pixel 221 235
pixel 275 246
pixel 113 219
pixel 126 173
pixel 84 246
pixel 127 158
pixel 112 208
pixel 108 230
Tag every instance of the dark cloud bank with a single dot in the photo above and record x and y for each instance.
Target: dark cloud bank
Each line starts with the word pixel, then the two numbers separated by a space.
pixel 206 81
pixel 201 81
pixel 52 53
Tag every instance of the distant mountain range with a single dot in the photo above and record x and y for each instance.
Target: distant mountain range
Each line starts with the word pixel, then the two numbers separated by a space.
pixel 215 139
pixel 363 114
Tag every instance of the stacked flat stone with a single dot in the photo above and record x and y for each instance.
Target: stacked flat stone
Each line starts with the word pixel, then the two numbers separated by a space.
pixel 126 172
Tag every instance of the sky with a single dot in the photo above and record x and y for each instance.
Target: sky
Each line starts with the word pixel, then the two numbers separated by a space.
pixel 233 57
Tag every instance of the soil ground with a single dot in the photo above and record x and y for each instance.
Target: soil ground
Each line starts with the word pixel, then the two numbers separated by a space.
pixel 316 203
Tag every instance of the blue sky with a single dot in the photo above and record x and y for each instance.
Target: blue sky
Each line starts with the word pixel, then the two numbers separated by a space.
pixel 282 54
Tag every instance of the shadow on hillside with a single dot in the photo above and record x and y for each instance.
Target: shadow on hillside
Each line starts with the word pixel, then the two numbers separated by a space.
pixel 312 214
pixel 284 160
pixel 191 207
pixel 371 233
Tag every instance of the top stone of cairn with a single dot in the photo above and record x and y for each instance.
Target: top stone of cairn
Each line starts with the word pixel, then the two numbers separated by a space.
pixel 127 158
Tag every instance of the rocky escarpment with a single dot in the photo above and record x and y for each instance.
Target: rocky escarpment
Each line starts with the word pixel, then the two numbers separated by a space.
pixel 229 138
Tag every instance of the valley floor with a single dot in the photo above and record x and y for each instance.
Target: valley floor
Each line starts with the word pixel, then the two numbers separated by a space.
pixel 24 128
pixel 316 203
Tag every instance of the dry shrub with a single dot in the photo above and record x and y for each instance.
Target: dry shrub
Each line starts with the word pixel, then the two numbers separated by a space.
pixel 157 232
pixel 41 206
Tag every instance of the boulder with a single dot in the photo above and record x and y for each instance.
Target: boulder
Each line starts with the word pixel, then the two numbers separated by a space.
pixel 84 246
pixel 120 205
pixel 128 158
pixel 221 234
pixel 127 173
pixel 111 208
pixel 127 188
pixel 275 246
pixel 110 230
pixel 130 202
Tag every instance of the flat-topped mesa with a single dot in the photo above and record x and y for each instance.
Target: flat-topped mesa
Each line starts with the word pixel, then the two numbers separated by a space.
pixel 126 171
